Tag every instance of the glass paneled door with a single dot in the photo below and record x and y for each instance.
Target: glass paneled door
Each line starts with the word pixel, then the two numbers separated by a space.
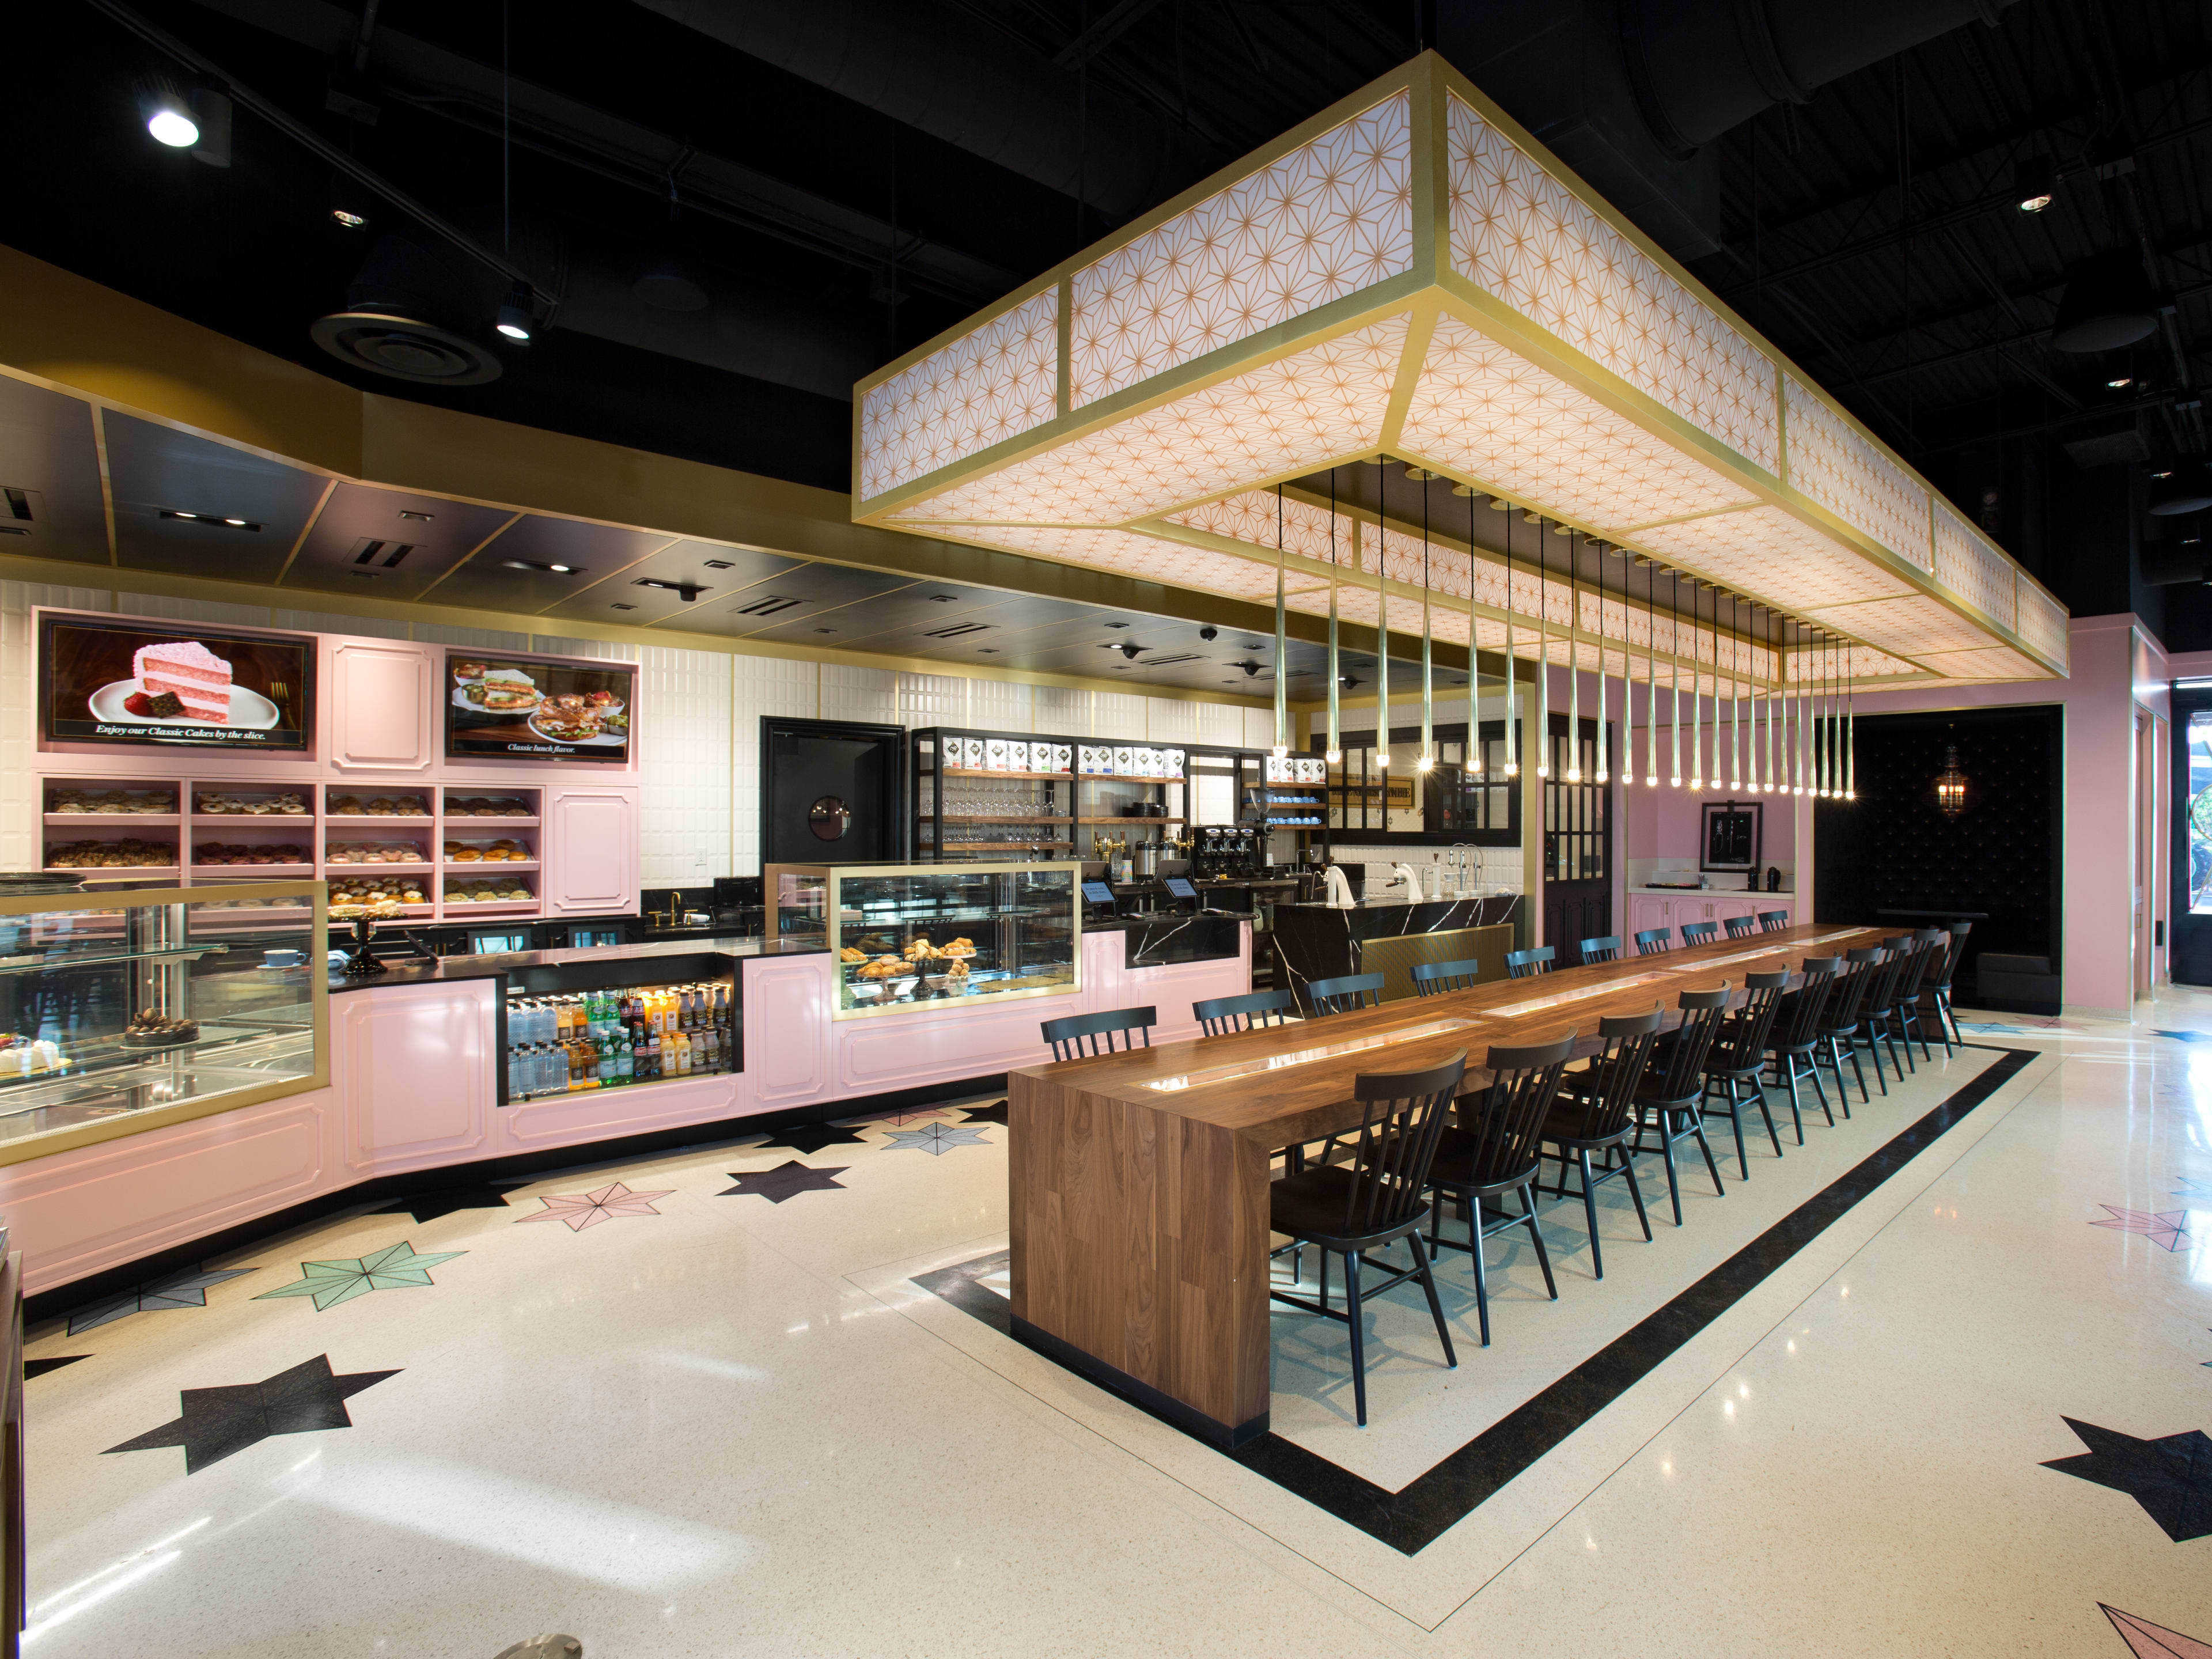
pixel 2191 954
pixel 1578 853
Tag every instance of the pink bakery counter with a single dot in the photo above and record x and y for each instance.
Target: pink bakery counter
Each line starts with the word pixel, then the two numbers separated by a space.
pixel 285 1087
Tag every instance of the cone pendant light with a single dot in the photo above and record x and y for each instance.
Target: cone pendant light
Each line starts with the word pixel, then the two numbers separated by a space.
pixel 1428 759
pixel 1573 770
pixel 1512 687
pixel 1541 725
pixel 1335 671
pixel 1674 654
pixel 1604 770
pixel 1282 642
pixel 1381 646
pixel 1474 745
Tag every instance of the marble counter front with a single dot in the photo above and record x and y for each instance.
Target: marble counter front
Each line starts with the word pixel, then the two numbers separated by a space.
pixel 1318 941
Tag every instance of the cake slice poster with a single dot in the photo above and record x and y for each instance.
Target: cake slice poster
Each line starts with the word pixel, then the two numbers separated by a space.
pixel 105 680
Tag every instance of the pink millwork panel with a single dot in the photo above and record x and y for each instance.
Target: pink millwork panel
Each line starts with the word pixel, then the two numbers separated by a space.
pixel 591 850
pixel 414 1063
pixel 787 1029
pixel 603 1114
pixel 382 717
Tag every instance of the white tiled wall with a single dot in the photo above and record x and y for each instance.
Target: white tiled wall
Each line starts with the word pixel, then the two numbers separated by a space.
pixel 1118 715
pixel 860 694
pixel 998 706
pixel 935 700
pixel 1220 723
pixel 685 764
pixel 1169 721
pixel 1059 709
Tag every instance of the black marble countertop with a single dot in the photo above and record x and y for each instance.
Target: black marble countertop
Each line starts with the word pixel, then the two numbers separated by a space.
pixel 1321 941
pixel 449 970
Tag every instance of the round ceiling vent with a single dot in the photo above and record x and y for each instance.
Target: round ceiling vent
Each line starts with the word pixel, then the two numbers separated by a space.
pixel 404 348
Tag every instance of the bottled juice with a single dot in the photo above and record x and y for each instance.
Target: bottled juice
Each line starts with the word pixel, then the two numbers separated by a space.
pixel 683 1053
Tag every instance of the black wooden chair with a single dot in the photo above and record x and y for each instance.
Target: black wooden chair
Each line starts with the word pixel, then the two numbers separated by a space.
pixel 1739 1056
pixel 1700 933
pixel 1652 940
pixel 1435 978
pixel 1497 1151
pixel 1792 1048
pixel 1666 1099
pixel 1740 926
pixel 1773 921
pixel 1898 1023
pixel 1934 945
pixel 1871 1027
pixel 1526 964
pixel 1595 1112
pixel 1847 1013
pixel 1607 948
pixel 1936 988
pixel 1219 1016
pixel 1344 993
pixel 1376 1199
pixel 1078 1036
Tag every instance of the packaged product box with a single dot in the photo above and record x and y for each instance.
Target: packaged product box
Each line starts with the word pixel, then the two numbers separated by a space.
pixel 994 754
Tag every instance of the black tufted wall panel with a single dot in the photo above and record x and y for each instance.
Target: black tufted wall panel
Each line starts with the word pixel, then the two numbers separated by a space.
pixel 1892 848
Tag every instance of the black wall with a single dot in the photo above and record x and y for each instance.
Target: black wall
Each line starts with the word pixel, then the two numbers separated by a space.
pixel 1892 850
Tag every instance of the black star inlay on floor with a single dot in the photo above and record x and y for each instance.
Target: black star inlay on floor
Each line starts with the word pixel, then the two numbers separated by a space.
pixel 2171 1477
pixel 39 1367
pixel 217 1422
pixel 785 1181
pixel 992 1114
pixel 812 1137
pixel 429 1205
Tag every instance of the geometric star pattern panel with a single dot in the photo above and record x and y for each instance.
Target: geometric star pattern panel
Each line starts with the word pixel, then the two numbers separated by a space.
pixel 1250 517
pixel 1284 417
pixel 1332 216
pixel 1519 234
pixel 995 383
pixel 1997 663
pixel 1967 564
pixel 1486 414
pixel 1831 461
pixel 1914 625
pixel 1765 553
pixel 1146 557
pixel 2042 620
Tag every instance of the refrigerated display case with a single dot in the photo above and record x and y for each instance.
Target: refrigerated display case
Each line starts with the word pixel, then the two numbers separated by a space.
pixel 123 1011
pixel 913 937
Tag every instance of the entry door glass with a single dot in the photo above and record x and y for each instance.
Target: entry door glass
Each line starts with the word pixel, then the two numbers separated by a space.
pixel 2190 958
pixel 2198 806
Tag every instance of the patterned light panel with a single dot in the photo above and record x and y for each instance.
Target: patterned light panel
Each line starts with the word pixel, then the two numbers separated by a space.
pixel 1332 217
pixel 1652 416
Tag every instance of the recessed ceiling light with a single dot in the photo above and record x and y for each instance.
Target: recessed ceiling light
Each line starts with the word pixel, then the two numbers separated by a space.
pixel 2121 381
pixel 718 564
pixel 179 514
pixel 349 219
pixel 2034 181
pixel 237 524
pixel 618 605
pixel 418 518
pixel 535 564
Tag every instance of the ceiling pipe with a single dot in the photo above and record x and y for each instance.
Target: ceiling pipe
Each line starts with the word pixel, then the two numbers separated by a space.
pixel 950 74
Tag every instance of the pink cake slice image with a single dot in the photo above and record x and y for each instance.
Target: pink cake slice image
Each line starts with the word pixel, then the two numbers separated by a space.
pixel 195 675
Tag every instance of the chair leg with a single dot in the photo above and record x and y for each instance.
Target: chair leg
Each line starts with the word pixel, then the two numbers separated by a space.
pixel 1481 1278
pixel 1589 1213
pixel 1636 1193
pixel 1543 1256
pixel 1736 1117
pixel 1359 1337
pixel 1857 1071
pixel 1324 1279
pixel 1705 1146
pixel 1674 1180
pixel 1759 1094
pixel 1429 1284
pixel 1813 1071
pixel 1788 1067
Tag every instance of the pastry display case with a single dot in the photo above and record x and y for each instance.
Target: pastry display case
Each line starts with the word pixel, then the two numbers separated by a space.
pixel 911 937
pixel 124 1010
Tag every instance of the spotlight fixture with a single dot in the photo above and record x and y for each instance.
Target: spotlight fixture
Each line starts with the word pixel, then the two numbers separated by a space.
pixel 180 514
pixel 2120 382
pixel 1209 633
pixel 168 113
pixel 687 591
pixel 2034 181
pixel 561 569
pixel 514 321
pixel 1130 648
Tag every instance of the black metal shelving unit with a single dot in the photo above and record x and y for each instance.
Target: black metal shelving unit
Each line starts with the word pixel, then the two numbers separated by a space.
pixel 960 812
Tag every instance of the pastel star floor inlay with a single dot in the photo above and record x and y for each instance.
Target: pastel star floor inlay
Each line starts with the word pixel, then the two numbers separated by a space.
pixel 582 1210
pixel 783 1182
pixel 2171 1476
pixel 2164 1228
pixel 216 1423
pixel 812 1137
pixel 53 1363
pixel 187 1288
pixel 395 1267
pixel 936 1139
pixel 2147 1641
pixel 433 1202
pixel 994 1113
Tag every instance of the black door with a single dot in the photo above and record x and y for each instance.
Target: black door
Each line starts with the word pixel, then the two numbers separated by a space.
pixel 832 791
pixel 1577 868
pixel 2192 910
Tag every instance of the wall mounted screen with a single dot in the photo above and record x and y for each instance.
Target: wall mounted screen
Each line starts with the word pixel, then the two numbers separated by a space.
pixel 132 683
pixel 533 708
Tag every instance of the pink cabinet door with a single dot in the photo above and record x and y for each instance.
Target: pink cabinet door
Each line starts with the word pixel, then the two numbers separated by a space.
pixel 382 705
pixel 591 850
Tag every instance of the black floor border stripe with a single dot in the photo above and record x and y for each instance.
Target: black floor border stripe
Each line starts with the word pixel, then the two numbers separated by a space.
pixel 1416 1515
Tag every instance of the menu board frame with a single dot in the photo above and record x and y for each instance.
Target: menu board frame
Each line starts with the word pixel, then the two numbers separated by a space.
pixel 474 736
pixel 278 722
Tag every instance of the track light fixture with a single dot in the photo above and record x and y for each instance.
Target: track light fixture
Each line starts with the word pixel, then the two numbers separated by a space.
pixel 168 113
pixel 2035 182
pixel 514 318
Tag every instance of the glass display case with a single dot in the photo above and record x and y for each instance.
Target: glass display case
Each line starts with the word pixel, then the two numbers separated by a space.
pixel 909 937
pixel 123 1011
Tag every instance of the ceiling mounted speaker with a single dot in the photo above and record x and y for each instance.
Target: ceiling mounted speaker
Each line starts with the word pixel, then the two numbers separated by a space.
pixel 2183 490
pixel 2108 303
pixel 404 348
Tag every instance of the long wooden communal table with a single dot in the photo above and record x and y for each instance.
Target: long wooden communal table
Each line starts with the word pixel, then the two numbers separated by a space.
pixel 1138 1202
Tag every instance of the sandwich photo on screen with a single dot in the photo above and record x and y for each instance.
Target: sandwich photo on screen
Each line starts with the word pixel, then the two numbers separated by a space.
pixel 128 683
pixel 526 708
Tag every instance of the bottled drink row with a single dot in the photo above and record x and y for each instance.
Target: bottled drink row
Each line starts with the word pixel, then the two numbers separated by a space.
pixel 603 1039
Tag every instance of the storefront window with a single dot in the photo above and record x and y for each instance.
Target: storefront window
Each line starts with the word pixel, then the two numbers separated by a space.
pixel 2200 813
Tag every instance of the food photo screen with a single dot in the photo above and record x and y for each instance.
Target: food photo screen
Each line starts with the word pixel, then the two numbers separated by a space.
pixel 128 682
pixel 525 708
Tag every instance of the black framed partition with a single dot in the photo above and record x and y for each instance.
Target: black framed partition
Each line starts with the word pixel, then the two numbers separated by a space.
pixel 1456 803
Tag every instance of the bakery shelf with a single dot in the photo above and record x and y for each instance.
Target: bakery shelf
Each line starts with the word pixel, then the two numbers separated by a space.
pixel 487 907
pixel 999 846
pixel 115 871
pixel 1124 777
pixel 366 871
pixel 303 869
pixel 111 820
pixel 453 867
pixel 351 820
pixel 455 820
pixel 233 820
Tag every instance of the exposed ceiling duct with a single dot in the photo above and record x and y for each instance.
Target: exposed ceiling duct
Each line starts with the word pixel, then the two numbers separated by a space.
pixel 950 74
pixel 1630 93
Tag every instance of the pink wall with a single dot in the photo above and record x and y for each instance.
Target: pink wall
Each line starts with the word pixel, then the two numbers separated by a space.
pixel 2116 666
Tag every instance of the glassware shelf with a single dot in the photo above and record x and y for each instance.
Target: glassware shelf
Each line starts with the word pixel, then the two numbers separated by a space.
pixel 52 959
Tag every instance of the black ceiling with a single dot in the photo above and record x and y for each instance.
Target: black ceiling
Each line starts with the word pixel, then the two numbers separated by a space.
pixel 1871 231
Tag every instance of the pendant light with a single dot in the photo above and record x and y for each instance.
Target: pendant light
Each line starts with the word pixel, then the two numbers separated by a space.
pixel 1382 637
pixel 1428 759
pixel 1783 692
pixel 1282 643
pixel 1473 655
pixel 1755 686
pixel 1335 672
pixel 1827 727
pixel 1512 687
pixel 1851 731
pixel 1542 723
pixel 1674 654
pixel 1605 771
pixel 1697 690
pixel 1573 771
pixel 1812 664
pixel 1740 655
pixel 1650 673
pixel 1834 734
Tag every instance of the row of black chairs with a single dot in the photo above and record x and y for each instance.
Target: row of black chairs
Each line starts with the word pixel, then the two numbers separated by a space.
pixel 1646 1090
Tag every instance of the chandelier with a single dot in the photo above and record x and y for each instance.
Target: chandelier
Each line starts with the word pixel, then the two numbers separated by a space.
pixel 1951 784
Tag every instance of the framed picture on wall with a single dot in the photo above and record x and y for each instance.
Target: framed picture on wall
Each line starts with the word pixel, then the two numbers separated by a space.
pixel 1729 834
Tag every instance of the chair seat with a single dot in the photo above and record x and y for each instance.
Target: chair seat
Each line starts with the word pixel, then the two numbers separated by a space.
pixel 1311 1205
pixel 1564 1127
pixel 1456 1153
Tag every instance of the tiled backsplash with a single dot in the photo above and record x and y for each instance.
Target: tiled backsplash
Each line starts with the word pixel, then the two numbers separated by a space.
pixel 1498 868
pixel 699 749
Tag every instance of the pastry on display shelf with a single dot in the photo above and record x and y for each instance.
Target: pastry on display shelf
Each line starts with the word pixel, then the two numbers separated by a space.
pixel 216 851
pixel 148 1030
pixel 120 802
pixel 127 854
pixel 22 1056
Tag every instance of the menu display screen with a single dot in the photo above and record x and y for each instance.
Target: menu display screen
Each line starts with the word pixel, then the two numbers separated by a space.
pixel 132 682
pixel 528 709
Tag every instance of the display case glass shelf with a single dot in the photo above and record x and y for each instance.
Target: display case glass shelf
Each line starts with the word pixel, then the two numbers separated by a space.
pixel 121 1011
pixel 907 938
